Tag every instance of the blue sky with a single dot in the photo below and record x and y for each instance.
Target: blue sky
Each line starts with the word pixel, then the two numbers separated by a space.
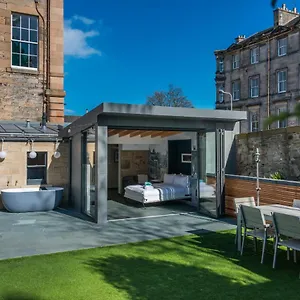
pixel 124 51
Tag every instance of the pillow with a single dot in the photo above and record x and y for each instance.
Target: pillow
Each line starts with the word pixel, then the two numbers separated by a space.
pixel 181 180
pixel 169 178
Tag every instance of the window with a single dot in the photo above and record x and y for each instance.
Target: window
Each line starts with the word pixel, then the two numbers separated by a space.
pixel 282 47
pixel 282 81
pixel 221 65
pixel 186 158
pixel 254 121
pixel 235 61
pixel 24 41
pixel 37 168
pixel 220 94
pixel 236 90
pixel 254 87
pixel 254 55
pixel 281 123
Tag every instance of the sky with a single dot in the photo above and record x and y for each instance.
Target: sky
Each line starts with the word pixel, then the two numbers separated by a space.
pixel 123 51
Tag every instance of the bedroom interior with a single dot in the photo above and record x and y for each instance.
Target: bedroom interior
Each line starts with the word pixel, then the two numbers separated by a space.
pixel 166 160
pixel 135 143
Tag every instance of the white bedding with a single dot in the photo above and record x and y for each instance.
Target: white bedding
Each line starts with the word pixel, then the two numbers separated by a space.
pixel 160 192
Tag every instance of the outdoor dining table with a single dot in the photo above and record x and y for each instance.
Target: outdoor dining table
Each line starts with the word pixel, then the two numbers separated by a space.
pixel 267 210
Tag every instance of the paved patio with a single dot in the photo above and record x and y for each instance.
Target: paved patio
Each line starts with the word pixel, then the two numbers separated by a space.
pixel 49 232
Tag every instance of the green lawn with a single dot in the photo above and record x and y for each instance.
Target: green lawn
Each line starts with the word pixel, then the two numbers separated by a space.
pixel 193 267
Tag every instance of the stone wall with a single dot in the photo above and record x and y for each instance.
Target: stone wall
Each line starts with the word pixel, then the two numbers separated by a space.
pixel 280 152
pixel 14 166
pixel 21 89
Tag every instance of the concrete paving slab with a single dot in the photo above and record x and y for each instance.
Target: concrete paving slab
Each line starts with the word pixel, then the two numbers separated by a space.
pixel 50 232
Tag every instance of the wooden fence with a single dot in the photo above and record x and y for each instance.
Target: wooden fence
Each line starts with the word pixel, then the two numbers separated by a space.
pixel 272 191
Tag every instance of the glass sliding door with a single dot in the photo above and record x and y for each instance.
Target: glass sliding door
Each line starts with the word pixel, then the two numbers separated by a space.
pixel 211 172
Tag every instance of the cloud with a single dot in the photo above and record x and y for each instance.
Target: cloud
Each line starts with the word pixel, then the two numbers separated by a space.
pixel 69 111
pixel 77 39
pixel 84 20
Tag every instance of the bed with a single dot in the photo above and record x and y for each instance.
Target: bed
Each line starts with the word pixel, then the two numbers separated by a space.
pixel 174 187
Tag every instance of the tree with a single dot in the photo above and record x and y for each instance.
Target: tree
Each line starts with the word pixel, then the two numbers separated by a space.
pixel 282 116
pixel 174 97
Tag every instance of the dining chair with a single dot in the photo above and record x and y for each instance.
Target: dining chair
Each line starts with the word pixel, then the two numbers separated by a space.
pixel 255 225
pixel 249 201
pixel 287 233
pixel 296 203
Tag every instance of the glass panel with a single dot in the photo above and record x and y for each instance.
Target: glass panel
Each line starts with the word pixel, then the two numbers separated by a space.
pixel 24 60
pixel 33 49
pixel 34 23
pixel 24 48
pixel 16 34
pixel 24 35
pixel 16 60
pixel 40 159
pixel 24 21
pixel 16 21
pixel 88 174
pixel 33 36
pixel 33 62
pixel 207 174
pixel 16 47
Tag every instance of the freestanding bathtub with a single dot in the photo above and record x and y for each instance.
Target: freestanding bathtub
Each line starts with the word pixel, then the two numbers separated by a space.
pixel 31 199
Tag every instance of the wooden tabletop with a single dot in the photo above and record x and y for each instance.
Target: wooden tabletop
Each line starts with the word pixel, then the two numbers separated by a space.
pixel 289 210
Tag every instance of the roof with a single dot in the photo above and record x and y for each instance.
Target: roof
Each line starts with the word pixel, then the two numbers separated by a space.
pixel 71 118
pixel 262 35
pixel 20 130
pixel 113 114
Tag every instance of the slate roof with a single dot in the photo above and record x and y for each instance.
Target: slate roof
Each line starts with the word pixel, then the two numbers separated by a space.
pixel 262 35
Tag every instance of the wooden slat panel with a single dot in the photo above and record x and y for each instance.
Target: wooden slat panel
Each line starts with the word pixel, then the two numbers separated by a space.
pixel 126 132
pixel 157 133
pixel 169 133
pixel 146 133
pixel 271 193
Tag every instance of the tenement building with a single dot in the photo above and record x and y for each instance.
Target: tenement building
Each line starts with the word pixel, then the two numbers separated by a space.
pixel 261 73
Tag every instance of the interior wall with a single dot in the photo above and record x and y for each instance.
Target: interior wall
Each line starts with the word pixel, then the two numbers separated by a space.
pixel 113 158
pixel 134 163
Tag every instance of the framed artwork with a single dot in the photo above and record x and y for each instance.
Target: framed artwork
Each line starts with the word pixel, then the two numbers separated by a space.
pixel 186 158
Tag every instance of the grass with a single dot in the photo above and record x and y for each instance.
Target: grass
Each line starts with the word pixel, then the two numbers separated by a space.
pixel 193 267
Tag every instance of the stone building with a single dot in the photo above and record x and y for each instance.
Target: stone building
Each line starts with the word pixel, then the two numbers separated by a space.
pixel 262 72
pixel 32 94
pixel 31 60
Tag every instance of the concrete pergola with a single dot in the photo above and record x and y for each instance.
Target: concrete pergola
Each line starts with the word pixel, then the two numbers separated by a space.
pixel 112 116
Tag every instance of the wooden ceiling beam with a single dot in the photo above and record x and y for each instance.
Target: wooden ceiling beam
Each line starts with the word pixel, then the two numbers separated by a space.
pixel 125 132
pixel 147 133
pixel 114 132
pixel 169 133
pixel 136 133
pixel 157 133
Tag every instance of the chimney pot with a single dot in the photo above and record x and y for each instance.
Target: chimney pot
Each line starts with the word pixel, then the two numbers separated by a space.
pixel 295 9
pixel 284 6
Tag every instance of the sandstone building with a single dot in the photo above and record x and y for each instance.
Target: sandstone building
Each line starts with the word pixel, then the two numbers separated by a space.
pixel 31 60
pixel 262 72
pixel 32 94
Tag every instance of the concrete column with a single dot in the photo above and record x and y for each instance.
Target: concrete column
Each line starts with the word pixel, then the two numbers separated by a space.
pixel 101 174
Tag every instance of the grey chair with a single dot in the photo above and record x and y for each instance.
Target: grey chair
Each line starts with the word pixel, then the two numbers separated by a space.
pixel 287 233
pixel 296 203
pixel 249 201
pixel 255 226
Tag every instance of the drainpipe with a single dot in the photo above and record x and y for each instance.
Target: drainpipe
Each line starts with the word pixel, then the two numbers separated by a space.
pixel 48 58
pixel 44 62
pixel 268 83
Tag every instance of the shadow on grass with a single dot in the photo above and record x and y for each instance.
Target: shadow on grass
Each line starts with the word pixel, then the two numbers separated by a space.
pixel 205 266
pixel 19 296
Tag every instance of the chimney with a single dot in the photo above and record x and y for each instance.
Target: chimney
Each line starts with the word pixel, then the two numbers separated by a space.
pixel 239 39
pixel 282 15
